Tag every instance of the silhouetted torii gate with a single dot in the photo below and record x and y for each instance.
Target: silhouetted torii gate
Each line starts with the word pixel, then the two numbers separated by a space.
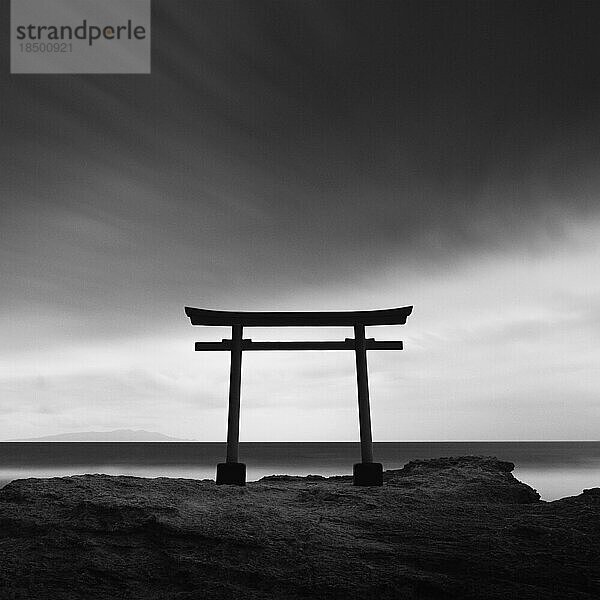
pixel 233 472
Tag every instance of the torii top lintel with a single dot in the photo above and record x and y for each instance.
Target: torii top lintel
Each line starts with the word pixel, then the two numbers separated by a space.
pixel 391 316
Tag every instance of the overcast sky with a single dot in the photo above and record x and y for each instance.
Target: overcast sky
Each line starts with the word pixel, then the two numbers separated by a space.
pixel 310 156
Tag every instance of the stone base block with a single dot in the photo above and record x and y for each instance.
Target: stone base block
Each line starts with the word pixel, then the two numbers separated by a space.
pixel 231 474
pixel 368 474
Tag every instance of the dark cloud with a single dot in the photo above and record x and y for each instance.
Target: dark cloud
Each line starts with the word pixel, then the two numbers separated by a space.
pixel 283 147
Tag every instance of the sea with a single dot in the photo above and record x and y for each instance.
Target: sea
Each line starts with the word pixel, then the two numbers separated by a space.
pixel 554 469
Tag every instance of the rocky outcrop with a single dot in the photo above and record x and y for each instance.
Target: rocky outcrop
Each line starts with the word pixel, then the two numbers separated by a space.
pixel 468 478
pixel 461 528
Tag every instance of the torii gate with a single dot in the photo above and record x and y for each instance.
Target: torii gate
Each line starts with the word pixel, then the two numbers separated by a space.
pixel 233 472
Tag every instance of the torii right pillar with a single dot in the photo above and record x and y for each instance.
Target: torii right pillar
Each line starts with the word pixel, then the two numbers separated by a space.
pixel 366 472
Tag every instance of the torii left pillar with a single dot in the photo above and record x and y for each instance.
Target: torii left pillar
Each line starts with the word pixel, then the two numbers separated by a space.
pixel 233 472
pixel 366 472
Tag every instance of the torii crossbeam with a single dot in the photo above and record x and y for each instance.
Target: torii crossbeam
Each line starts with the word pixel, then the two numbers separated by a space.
pixel 232 471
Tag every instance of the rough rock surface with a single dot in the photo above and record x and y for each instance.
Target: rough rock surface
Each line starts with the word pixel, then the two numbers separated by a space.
pixel 461 528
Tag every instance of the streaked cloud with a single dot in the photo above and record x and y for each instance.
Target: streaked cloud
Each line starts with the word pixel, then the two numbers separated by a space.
pixel 323 155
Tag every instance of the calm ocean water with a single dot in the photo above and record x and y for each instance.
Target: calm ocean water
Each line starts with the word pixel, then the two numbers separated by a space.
pixel 555 469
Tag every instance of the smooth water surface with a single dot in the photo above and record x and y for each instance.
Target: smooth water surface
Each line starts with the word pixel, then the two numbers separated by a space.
pixel 555 469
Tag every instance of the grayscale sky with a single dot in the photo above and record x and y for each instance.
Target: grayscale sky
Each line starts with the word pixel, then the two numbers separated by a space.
pixel 310 156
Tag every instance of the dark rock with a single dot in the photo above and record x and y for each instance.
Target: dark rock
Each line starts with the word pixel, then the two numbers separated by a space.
pixel 452 528
pixel 469 478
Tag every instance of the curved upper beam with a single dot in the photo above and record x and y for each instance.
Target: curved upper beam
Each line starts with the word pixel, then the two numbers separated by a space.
pixel 391 316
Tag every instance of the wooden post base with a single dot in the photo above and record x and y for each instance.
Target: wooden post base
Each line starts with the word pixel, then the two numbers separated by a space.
pixel 368 474
pixel 232 473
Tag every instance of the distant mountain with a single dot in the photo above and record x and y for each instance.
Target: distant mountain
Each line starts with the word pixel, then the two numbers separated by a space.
pixel 118 435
